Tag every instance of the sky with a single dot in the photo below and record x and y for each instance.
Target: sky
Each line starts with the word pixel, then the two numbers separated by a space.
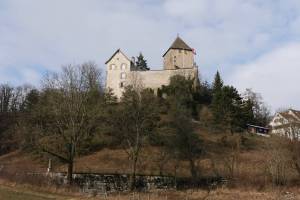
pixel 253 43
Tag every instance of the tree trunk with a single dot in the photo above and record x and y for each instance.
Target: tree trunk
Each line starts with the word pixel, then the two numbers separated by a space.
pixel 70 173
pixel 193 169
pixel 133 173
pixel 71 163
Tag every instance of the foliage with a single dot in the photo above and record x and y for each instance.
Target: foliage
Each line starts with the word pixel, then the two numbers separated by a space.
pixel 183 90
pixel 12 101
pixel 261 112
pixel 141 63
pixel 180 138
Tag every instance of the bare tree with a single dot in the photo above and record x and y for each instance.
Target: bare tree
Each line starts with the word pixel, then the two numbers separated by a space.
pixel 69 108
pixel 133 122
pixel 6 93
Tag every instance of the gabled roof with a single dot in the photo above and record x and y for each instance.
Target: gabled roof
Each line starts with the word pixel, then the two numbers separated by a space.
pixel 118 50
pixel 291 115
pixel 179 44
pixel 297 113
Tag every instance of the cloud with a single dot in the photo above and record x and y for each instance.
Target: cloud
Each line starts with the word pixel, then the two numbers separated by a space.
pixel 41 35
pixel 274 74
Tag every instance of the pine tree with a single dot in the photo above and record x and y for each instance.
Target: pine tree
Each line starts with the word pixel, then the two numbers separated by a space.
pixel 218 83
pixel 217 101
pixel 141 63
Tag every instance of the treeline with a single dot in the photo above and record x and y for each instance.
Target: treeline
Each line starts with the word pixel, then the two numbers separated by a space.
pixel 71 114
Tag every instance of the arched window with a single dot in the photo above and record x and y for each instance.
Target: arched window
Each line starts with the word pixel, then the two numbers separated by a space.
pixel 123 66
pixel 123 75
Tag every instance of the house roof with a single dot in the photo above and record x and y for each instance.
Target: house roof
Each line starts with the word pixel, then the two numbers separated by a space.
pixel 179 44
pixel 254 126
pixel 297 113
pixel 118 50
pixel 291 115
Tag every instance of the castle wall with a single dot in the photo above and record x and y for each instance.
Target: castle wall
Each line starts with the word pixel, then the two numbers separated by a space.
pixel 155 79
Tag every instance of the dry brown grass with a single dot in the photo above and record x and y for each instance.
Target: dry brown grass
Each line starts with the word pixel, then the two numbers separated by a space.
pixel 20 161
pixel 218 194
pixel 251 167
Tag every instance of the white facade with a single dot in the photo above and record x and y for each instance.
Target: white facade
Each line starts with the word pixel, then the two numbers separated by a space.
pixel 286 124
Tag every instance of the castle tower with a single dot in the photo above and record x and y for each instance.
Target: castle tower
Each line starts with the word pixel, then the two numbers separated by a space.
pixel 118 68
pixel 178 56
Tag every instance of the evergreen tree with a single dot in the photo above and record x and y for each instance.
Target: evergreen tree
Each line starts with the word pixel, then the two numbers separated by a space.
pixel 232 109
pixel 247 112
pixel 203 94
pixel 182 89
pixel 218 83
pixel 217 101
pixel 141 63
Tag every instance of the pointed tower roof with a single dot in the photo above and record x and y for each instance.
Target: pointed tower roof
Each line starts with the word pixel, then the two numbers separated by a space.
pixel 179 44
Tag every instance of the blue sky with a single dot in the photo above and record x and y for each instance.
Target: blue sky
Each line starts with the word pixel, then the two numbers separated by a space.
pixel 253 43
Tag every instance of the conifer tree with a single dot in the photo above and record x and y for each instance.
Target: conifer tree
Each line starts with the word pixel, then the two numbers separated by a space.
pixel 217 101
pixel 218 83
pixel 141 63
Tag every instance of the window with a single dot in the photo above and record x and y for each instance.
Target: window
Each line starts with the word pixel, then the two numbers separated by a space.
pixel 179 50
pixel 123 66
pixel 121 84
pixel 185 51
pixel 123 75
pixel 112 66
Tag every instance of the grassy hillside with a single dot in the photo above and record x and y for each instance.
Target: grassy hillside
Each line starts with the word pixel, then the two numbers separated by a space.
pixel 248 164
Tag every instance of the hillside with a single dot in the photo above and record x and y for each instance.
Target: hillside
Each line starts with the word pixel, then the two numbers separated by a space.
pixel 248 163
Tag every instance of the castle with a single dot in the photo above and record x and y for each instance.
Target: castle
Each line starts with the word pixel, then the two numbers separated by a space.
pixel 177 60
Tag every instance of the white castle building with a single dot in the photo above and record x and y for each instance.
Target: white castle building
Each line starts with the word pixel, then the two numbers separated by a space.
pixel 177 60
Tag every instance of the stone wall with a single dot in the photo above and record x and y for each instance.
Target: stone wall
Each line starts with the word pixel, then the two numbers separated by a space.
pixel 120 182
pixel 155 79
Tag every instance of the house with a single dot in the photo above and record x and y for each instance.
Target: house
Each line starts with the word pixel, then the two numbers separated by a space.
pixel 177 60
pixel 259 130
pixel 286 123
